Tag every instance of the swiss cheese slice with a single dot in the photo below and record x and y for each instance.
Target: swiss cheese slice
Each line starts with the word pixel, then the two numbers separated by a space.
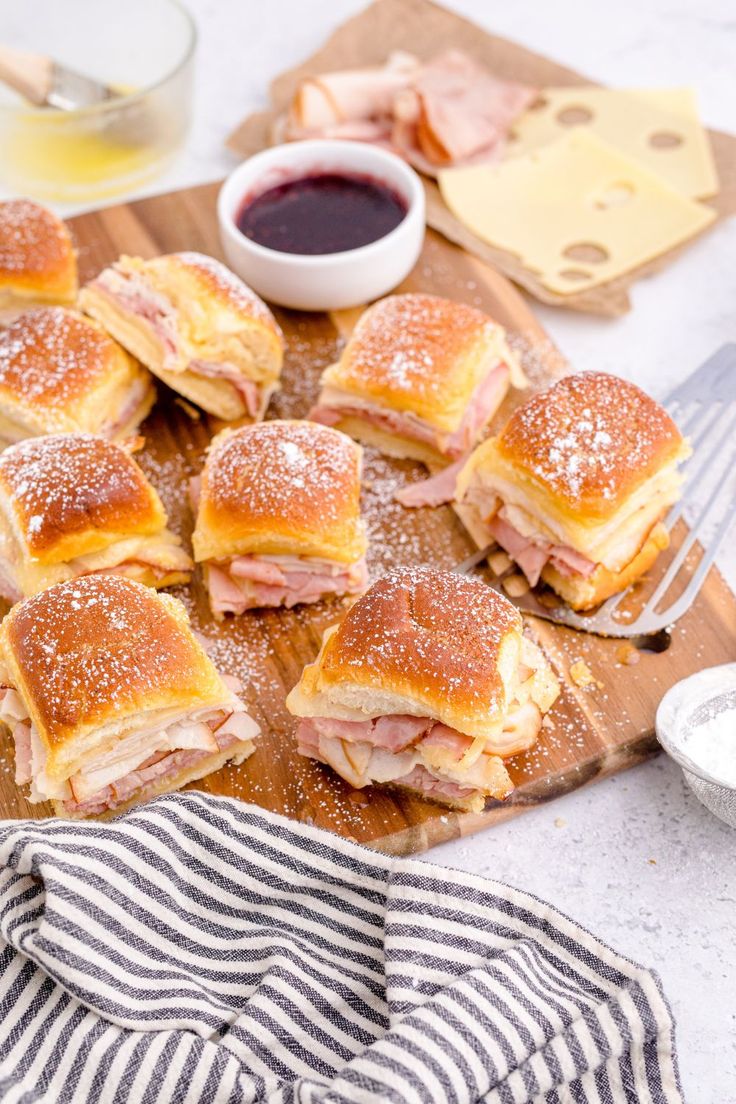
pixel 659 127
pixel 577 212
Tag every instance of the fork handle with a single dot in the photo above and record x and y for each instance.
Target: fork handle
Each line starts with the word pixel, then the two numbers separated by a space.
pixel 26 73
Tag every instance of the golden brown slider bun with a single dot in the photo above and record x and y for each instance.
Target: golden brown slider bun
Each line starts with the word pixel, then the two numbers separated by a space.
pixel 590 464
pixel 281 488
pixel 61 373
pixel 428 643
pixel 418 354
pixel 92 656
pixel 582 447
pixel 72 495
pixel 203 315
pixel 37 259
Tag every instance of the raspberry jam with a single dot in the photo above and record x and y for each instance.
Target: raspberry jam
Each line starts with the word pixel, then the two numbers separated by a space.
pixel 321 213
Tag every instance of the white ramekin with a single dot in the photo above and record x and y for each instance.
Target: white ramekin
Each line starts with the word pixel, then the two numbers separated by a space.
pixel 330 281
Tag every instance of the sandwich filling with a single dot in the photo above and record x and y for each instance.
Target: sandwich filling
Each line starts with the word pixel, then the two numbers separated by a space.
pixel 423 753
pixel 535 538
pixel 336 404
pixel 250 581
pixel 154 560
pixel 166 750
pixel 133 294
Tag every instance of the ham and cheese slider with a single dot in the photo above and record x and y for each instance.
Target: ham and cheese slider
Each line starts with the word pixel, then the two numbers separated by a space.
pixel 420 377
pixel 278 516
pixel 61 373
pixel 196 326
pixel 576 484
pixel 74 504
pixel 38 264
pixel 428 684
pixel 110 698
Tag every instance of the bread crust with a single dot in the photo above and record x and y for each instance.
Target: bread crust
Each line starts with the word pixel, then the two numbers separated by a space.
pixel 420 353
pixel 37 258
pixel 60 372
pixel 446 644
pixel 586 444
pixel 281 488
pixel 66 495
pixel 102 650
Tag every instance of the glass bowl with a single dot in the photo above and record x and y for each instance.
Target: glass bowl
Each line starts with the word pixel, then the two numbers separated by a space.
pixel 144 49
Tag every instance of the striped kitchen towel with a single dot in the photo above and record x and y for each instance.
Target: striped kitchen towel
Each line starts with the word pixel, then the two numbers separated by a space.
pixel 200 950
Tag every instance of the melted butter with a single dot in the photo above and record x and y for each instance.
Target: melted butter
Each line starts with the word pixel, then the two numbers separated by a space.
pixel 64 156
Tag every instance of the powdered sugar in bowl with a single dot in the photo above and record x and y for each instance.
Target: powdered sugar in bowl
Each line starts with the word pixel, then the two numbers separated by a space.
pixel 696 725
pixel 328 280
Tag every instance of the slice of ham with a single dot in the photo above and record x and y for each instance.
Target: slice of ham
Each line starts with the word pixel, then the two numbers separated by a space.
pixel 385 749
pixel 447 111
pixel 483 403
pixel 247 389
pixel 251 582
pixel 352 96
pixel 435 491
pixel 420 779
pixel 458 112
pixel 532 556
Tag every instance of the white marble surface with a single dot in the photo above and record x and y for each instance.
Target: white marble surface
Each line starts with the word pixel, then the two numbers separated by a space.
pixel 636 859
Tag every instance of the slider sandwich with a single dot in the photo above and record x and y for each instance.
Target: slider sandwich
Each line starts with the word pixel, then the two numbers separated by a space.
pixel 38 264
pixel 110 699
pixel 61 373
pixel 420 377
pixel 428 684
pixel 74 504
pixel 575 486
pixel 278 516
pixel 196 326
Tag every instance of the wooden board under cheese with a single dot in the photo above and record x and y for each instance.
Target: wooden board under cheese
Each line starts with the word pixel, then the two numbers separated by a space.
pixel 658 127
pixel 577 212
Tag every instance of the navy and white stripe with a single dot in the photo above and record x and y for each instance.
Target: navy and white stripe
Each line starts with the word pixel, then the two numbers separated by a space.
pixel 199 950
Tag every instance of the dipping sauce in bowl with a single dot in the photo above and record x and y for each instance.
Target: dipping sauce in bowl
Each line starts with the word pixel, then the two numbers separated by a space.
pixel 322 213
pixel 322 224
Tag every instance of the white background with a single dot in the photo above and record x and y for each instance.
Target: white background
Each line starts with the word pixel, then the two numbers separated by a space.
pixel 635 859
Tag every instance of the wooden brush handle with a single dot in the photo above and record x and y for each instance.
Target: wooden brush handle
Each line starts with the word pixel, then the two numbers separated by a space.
pixel 28 74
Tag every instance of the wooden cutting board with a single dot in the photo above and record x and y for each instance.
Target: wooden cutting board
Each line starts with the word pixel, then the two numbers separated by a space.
pixel 593 731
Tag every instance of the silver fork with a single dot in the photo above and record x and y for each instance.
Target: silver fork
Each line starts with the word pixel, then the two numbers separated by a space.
pixel 704 406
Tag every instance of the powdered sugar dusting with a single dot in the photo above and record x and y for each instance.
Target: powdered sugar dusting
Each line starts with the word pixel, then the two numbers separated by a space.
pixel 301 472
pixel 95 647
pixel 434 631
pixel 51 356
pixel 70 483
pixel 413 345
pixel 220 279
pixel 32 239
pixel 589 436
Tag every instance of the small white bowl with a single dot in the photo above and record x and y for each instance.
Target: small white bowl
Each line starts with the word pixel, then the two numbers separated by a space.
pixel 329 281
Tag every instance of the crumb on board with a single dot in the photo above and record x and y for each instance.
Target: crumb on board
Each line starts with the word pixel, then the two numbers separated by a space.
pixel 582 676
pixel 515 586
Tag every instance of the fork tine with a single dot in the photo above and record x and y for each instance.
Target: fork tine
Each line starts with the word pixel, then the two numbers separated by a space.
pixel 688 596
pixel 687 544
pixel 700 462
pixel 720 364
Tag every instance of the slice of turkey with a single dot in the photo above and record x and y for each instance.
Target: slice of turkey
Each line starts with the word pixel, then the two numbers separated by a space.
pixel 165 731
pixel 249 582
pixel 335 404
pixel 439 750
pixel 134 557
